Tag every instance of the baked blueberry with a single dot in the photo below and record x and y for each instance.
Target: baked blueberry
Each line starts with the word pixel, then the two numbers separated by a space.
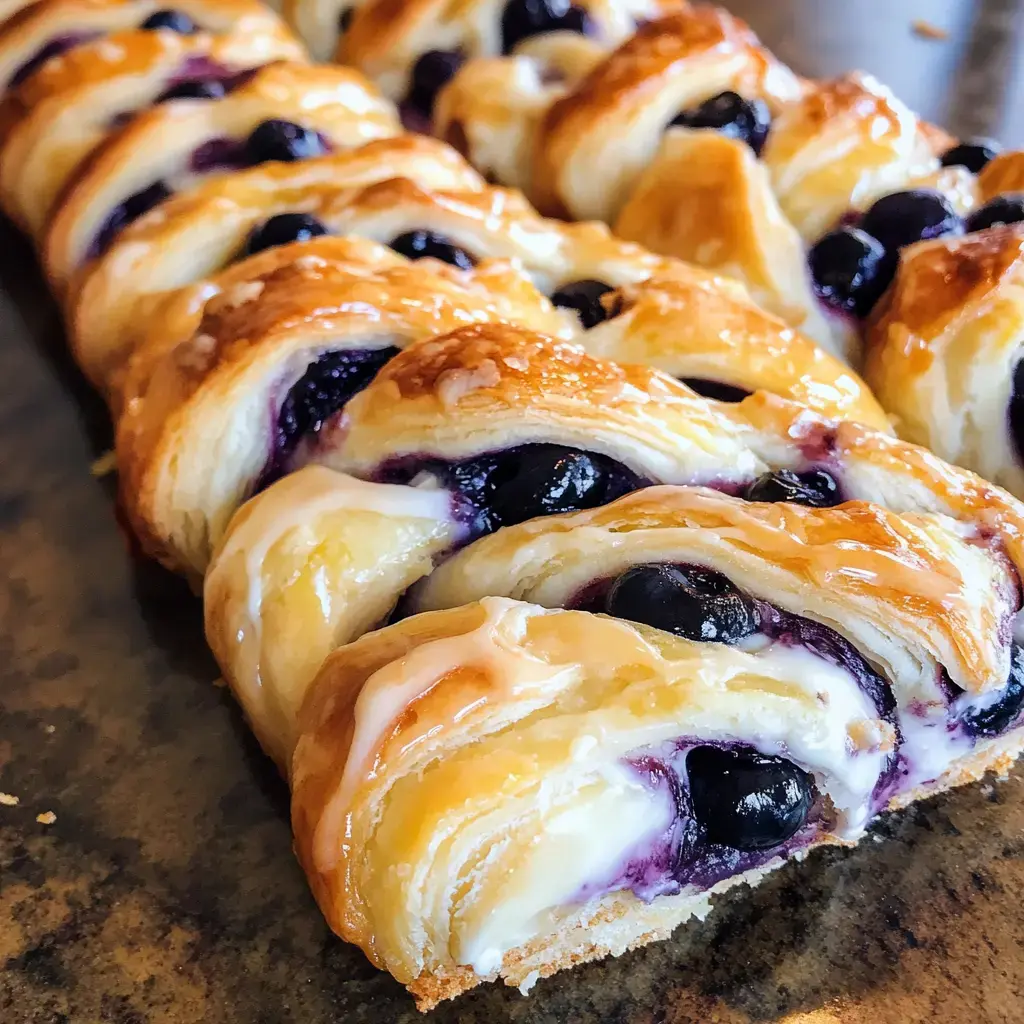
pixel 850 270
pixel 172 21
pixel 276 139
pixel 585 297
pixel 715 389
pixel 430 74
pixel 123 215
pixel 1002 709
pixel 814 488
pixel 973 154
pixel 324 388
pixel 204 89
pixel 691 602
pixel 417 245
pixel 544 480
pixel 746 800
pixel 524 18
pixel 906 217
pixel 731 115
pixel 1008 209
pixel 282 229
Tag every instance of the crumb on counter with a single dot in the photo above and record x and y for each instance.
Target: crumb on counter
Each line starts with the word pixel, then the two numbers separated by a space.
pixel 927 30
pixel 104 465
pixel 46 818
pixel 49 729
pixel 8 800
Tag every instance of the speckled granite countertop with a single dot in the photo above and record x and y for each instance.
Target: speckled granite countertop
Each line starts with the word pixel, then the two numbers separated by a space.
pixel 164 888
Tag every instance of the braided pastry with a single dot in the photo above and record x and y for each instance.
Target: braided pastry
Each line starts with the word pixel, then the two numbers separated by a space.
pixel 506 427
pixel 274 356
pixel 793 164
pixel 367 386
pixel 284 112
pixel 412 48
pixel 40 31
pixel 53 121
pixel 944 352
pixel 486 749
pixel 197 234
pixel 304 327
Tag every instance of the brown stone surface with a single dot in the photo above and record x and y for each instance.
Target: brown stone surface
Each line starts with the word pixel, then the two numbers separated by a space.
pixel 165 889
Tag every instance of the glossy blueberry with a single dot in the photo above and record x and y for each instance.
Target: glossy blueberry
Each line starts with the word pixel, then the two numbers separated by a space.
pixel 747 800
pixel 584 297
pixel 172 20
pixel 324 388
pixel 850 270
pixel 996 717
pixel 524 18
pixel 695 603
pixel 973 155
pixel 1016 411
pixel 416 245
pixel 282 229
pixel 206 89
pixel 277 139
pixel 906 217
pixel 814 488
pixel 715 389
pixel 545 480
pixel 732 116
pixel 121 216
pixel 1008 209
pixel 430 74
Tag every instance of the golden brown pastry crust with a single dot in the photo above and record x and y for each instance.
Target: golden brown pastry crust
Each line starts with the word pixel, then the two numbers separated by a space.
pixel 255 339
pixel 1003 174
pixel 60 114
pixel 34 25
pixel 386 37
pixel 337 102
pixel 624 102
pixel 698 325
pixel 492 387
pixel 307 565
pixel 196 234
pixel 602 146
pixel 943 346
pixel 436 698
pixel 880 578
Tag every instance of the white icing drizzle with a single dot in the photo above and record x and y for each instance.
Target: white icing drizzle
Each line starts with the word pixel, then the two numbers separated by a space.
pixel 293 503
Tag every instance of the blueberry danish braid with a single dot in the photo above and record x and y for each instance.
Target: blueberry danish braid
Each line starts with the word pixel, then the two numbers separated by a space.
pixel 486 748
pixel 282 113
pixel 60 114
pixel 694 141
pixel 198 234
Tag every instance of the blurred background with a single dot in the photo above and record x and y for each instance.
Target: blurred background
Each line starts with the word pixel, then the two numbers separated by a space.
pixel 959 63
